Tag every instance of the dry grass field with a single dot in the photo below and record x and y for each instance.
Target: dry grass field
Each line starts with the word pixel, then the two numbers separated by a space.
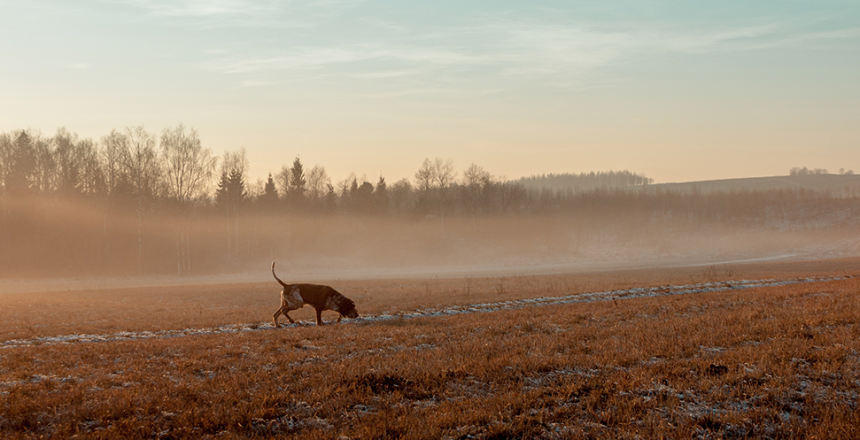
pixel 747 351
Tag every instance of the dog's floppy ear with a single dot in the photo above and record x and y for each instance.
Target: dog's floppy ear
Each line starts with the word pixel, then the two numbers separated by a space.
pixel 346 306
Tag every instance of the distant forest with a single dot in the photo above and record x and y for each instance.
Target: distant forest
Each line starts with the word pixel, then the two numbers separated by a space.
pixel 125 201
pixel 586 181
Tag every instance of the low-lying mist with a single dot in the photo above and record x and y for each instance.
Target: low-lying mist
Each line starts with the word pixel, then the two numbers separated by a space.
pixel 66 240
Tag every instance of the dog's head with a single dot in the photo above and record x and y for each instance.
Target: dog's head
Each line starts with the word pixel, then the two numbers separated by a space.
pixel 347 308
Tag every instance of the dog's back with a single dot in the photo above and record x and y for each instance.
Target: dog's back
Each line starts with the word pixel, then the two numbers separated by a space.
pixel 315 295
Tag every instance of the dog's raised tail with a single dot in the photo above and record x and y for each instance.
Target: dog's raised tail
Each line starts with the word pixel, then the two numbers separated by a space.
pixel 276 276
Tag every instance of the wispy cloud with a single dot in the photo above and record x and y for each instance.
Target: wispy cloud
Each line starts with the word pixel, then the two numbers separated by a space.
pixel 203 8
pixel 207 14
pixel 492 49
pixel 215 14
pixel 335 4
pixel 387 74
pixel 316 58
pixel 257 83
pixel 550 49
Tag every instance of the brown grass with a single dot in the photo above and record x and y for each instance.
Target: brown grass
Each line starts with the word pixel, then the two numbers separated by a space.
pixel 776 362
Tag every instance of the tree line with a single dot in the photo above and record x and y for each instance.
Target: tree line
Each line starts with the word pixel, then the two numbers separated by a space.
pixel 586 181
pixel 174 171
pixel 133 198
pixel 798 171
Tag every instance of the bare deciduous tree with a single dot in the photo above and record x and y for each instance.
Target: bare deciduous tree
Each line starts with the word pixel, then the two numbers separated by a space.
pixel 6 149
pixel 68 161
pixel 436 176
pixel 443 176
pixel 477 186
pixel 401 196
pixel 188 171
pixel 141 163
pixel 317 183
pixel 77 168
pixel 5 160
pixel 347 189
pixel 425 176
pixel 188 167
pixel 511 194
pixel 92 175
pixel 44 177
pixel 143 169
pixel 114 154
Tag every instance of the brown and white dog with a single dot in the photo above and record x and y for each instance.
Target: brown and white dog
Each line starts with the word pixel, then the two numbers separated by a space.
pixel 295 296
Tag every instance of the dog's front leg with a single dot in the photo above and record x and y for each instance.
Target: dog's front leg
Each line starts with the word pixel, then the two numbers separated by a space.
pixel 319 317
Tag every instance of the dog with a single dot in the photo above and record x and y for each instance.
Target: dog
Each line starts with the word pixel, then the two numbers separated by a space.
pixel 320 297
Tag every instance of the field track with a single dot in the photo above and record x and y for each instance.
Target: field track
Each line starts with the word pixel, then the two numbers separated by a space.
pixel 611 295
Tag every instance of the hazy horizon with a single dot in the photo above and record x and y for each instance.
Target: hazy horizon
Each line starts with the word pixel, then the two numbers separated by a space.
pixel 254 181
pixel 673 91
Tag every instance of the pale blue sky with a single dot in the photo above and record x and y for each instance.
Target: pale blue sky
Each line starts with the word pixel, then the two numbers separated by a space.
pixel 676 90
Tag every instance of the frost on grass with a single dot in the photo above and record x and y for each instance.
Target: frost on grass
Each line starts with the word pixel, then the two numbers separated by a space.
pixel 772 363
pixel 613 295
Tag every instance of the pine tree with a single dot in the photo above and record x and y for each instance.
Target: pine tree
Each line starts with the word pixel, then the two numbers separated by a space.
pixel 231 196
pixel 269 199
pixel 296 188
pixel 380 194
pixel 330 198
pixel 364 201
pixel 222 194
pixel 23 165
pixel 238 192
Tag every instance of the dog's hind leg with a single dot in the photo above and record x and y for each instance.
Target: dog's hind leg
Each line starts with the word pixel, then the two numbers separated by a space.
pixel 291 301
pixel 282 311
pixel 275 317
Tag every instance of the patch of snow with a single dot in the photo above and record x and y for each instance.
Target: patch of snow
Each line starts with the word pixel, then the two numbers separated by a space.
pixel 611 295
